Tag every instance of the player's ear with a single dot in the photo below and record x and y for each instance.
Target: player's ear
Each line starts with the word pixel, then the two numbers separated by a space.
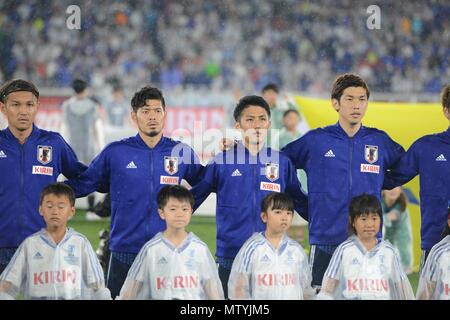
pixel 40 210
pixel 335 104
pixel 237 125
pixel 134 116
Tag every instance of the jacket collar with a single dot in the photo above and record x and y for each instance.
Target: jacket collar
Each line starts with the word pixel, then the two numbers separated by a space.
pixel 33 135
pixel 338 129
pixel 142 142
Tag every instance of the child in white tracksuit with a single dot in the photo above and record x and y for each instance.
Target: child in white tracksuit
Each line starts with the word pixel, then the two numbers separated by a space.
pixel 364 267
pixel 174 264
pixel 270 265
pixel 55 263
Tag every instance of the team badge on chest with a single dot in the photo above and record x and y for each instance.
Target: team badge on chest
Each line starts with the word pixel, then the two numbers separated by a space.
pixel 371 153
pixel 272 171
pixel 171 165
pixel 44 154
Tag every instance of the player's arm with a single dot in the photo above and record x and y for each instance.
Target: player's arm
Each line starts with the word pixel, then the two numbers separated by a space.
pixel 298 151
pixel 71 167
pixel 306 277
pixel 94 178
pixel 403 169
pixel 194 172
pixel 293 188
pixel 205 186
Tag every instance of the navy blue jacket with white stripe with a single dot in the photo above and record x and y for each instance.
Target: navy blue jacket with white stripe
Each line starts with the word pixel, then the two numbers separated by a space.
pixel 25 169
pixel 241 181
pixel 134 173
pixel 339 168
pixel 429 157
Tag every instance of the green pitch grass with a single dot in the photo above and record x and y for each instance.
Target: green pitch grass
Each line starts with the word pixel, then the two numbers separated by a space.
pixel 203 227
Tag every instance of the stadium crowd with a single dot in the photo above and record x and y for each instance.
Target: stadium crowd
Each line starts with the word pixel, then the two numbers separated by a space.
pixel 227 44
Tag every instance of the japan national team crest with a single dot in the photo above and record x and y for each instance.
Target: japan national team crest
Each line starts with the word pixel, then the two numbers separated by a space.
pixel 171 165
pixel 272 171
pixel 371 153
pixel 44 154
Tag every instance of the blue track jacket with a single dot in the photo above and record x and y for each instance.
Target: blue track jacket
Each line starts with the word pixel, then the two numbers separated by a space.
pixel 339 168
pixel 134 174
pixel 25 169
pixel 429 157
pixel 241 181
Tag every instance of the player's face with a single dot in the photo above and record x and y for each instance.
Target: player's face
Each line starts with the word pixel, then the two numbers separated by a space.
pixel 352 106
pixel 367 225
pixel 150 118
pixel 20 109
pixel 176 213
pixel 254 124
pixel 277 220
pixel 56 210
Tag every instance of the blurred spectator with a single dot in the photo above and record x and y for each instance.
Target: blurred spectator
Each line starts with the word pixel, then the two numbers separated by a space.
pixel 228 45
pixel 397 225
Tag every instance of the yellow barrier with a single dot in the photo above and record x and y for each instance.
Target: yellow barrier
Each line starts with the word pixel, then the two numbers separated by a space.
pixel 404 122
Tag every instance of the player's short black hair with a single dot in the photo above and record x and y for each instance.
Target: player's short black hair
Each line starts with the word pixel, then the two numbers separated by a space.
pixel 270 86
pixel 79 85
pixel 289 111
pixel 277 201
pixel 17 85
pixel 146 93
pixel 445 97
pixel 174 191
pixel 345 81
pixel 363 204
pixel 248 101
pixel 58 189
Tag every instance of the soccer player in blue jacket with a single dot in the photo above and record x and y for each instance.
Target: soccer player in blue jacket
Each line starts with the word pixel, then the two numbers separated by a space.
pixel 30 159
pixel 341 161
pixel 428 157
pixel 134 170
pixel 241 177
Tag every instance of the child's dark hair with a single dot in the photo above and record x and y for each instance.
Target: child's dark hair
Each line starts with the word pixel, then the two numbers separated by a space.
pixel 146 93
pixel 277 201
pixel 17 85
pixel 174 191
pixel 58 189
pixel 363 204
pixel 248 101
pixel 345 81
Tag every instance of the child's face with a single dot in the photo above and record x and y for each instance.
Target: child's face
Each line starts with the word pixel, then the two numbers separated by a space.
pixel 277 220
pixel 176 213
pixel 367 225
pixel 56 210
